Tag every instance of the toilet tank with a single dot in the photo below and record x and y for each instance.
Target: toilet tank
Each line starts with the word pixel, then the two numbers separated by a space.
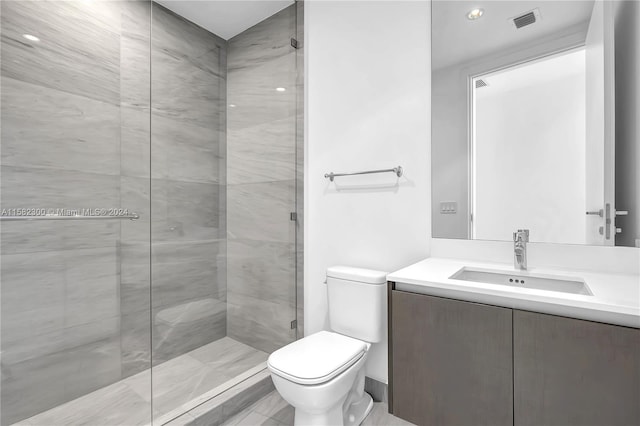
pixel 356 300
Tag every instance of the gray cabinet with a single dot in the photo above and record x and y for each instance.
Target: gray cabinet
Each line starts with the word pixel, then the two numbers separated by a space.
pixel 572 372
pixel 450 361
pixel 461 363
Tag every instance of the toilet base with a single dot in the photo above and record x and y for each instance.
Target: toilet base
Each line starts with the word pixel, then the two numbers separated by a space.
pixel 358 410
pixel 353 416
pixel 332 417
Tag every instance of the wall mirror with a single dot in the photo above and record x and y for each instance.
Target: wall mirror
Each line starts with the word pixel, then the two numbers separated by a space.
pixel 534 110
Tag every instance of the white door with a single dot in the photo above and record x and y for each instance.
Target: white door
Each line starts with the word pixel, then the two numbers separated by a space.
pixel 600 143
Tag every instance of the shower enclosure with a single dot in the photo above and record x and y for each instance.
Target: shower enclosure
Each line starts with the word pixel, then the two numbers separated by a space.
pixel 151 181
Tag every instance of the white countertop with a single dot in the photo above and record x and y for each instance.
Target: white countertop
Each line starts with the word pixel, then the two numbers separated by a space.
pixel 615 299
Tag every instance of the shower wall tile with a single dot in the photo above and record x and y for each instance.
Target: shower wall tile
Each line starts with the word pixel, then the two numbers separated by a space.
pixel 184 211
pixel 253 91
pixel 135 56
pixel 134 197
pixel 135 342
pixel 261 211
pixel 184 151
pixel 77 129
pixel 135 142
pixel 78 51
pixel 262 269
pixel 135 21
pixel 34 187
pixel 186 278
pixel 264 42
pixel 135 278
pixel 57 300
pixel 92 286
pixel 184 272
pixel 179 38
pixel 43 127
pixel 262 153
pixel 174 335
pixel 183 91
pixel 189 68
pixel 259 323
pixel 23 187
pixel 75 115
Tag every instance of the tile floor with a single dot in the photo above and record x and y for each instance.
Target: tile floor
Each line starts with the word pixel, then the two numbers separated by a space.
pixel 175 383
pixel 272 410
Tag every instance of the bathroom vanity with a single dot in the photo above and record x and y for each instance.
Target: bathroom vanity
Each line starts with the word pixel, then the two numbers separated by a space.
pixel 472 352
pixel 530 145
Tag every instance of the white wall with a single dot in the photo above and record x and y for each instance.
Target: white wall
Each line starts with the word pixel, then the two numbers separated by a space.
pixel 529 152
pixel 368 107
pixel 627 122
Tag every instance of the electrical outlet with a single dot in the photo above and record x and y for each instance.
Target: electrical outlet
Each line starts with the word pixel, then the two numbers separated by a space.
pixel 448 207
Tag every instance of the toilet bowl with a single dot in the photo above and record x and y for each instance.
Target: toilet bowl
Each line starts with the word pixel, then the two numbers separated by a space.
pixel 322 375
pixel 324 379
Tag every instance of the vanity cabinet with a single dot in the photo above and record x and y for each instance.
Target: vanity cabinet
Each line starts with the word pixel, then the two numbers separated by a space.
pixel 450 361
pixel 573 372
pixel 461 363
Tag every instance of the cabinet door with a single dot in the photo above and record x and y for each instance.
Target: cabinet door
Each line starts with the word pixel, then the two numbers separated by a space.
pixel 573 372
pixel 451 361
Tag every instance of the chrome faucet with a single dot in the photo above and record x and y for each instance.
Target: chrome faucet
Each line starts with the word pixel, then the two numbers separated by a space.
pixel 520 240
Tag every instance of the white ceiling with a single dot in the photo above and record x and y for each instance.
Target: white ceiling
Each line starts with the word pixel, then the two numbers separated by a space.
pixel 456 39
pixel 225 18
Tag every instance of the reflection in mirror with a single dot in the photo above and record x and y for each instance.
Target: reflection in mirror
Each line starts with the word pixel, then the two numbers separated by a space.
pixel 524 129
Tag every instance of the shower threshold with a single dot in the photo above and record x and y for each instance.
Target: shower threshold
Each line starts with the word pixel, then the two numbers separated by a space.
pixel 179 385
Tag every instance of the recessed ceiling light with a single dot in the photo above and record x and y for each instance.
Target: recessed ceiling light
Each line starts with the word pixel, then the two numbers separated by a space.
pixel 475 14
pixel 280 89
pixel 30 37
pixel 232 105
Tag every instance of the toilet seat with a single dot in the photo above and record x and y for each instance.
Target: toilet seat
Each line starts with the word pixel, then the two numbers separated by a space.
pixel 317 358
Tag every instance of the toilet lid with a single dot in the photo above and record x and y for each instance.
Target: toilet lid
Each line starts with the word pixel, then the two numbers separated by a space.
pixel 316 358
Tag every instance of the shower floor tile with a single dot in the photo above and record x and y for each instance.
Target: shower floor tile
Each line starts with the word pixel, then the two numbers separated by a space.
pixel 175 383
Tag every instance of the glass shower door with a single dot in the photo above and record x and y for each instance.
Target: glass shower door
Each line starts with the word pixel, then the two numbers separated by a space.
pixel 223 186
pixel 75 280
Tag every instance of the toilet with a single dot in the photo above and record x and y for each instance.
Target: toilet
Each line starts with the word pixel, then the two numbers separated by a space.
pixel 322 375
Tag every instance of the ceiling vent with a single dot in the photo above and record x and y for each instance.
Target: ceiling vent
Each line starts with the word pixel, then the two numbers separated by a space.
pixel 481 83
pixel 526 19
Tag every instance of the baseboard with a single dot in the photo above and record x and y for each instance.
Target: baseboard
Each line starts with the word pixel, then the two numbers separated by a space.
pixel 377 389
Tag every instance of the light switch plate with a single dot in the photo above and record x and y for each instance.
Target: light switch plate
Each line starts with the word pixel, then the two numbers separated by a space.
pixel 448 207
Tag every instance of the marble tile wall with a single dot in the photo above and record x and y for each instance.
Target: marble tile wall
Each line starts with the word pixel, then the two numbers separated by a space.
pixel 77 125
pixel 86 303
pixel 64 131
pixel 188 133
pixel 261 186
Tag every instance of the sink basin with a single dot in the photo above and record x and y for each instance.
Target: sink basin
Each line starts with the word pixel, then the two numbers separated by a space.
pixel 540 282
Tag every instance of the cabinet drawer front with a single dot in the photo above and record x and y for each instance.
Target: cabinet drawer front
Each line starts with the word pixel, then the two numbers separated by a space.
pixel 451 361
pixel 574 372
